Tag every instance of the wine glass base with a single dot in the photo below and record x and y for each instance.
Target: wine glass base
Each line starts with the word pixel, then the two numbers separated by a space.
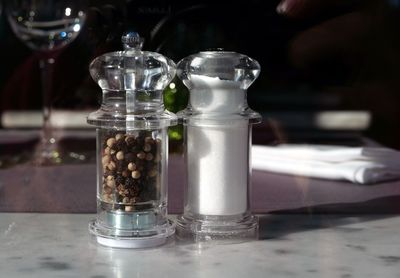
pixel 43 156
pixel 46 157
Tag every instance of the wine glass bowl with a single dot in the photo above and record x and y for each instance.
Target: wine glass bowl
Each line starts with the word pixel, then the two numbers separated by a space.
pixel 46 27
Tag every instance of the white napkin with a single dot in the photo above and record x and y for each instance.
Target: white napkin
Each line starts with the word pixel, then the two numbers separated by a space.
pixel 363 165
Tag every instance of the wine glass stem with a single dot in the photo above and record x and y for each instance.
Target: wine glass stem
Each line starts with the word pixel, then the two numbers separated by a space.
pixel 46 68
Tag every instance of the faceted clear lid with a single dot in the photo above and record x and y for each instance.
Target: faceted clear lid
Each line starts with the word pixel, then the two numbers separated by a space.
pixel 224 65
pixel 133 82
pixel 132 69
pixel 218 81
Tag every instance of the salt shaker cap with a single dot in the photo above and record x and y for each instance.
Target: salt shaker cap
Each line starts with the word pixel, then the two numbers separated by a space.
pixel 224 65
pixel 218 81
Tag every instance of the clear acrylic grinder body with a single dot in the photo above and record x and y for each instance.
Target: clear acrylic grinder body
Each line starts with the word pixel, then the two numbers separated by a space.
pixel 218 124
pixel 132 147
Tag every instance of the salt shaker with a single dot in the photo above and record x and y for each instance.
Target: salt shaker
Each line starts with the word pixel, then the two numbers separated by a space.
pixel 218 124
pixel 132 147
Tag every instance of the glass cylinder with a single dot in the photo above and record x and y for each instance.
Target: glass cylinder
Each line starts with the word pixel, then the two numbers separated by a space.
pixel 217 126
pixel 132 147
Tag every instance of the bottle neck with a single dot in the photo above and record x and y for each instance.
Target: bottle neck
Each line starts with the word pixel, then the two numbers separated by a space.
pixel 215 95
pixel 133 110
pixel 133 102
pixel 218 100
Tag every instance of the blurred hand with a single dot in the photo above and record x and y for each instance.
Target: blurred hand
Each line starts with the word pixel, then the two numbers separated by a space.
pixel 358 40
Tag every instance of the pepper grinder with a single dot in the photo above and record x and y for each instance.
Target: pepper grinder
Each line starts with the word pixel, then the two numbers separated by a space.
pixel 132 146
pixel 217 127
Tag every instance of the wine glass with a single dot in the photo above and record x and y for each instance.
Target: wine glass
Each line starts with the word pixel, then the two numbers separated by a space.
pixel 46 27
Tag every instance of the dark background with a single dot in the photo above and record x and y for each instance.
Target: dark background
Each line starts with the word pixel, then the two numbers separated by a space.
pixel 295 82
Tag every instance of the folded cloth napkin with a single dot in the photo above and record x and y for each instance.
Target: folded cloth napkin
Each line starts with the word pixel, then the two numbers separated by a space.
pixel 363 165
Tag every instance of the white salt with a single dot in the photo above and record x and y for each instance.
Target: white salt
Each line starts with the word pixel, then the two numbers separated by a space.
pixel 218 168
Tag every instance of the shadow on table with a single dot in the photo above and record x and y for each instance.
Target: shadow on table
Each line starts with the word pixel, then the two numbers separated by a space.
pixel 279 224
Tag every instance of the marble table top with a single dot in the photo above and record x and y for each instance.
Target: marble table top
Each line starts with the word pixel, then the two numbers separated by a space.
pixel 59 245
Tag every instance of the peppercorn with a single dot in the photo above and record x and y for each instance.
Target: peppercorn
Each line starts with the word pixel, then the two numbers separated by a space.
pixel 153 173
pixel 119 136
pixel 147 147
pixel 106 198
pixel 120 145
pixel 130 157
pixel 125 174
pixel 149 140
pixel 120 180
pixel 120 187
pixel 106 159
pixel 135 148
pixel 111 142
pixel 111 183
pixel 119 155
pixel 149 156
pixel 130 141
pixel 136 174
pixel 131 166
pixel 141 155
pixel 111 166
pixel 108 172
pixel 134 191
pixel 107 150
